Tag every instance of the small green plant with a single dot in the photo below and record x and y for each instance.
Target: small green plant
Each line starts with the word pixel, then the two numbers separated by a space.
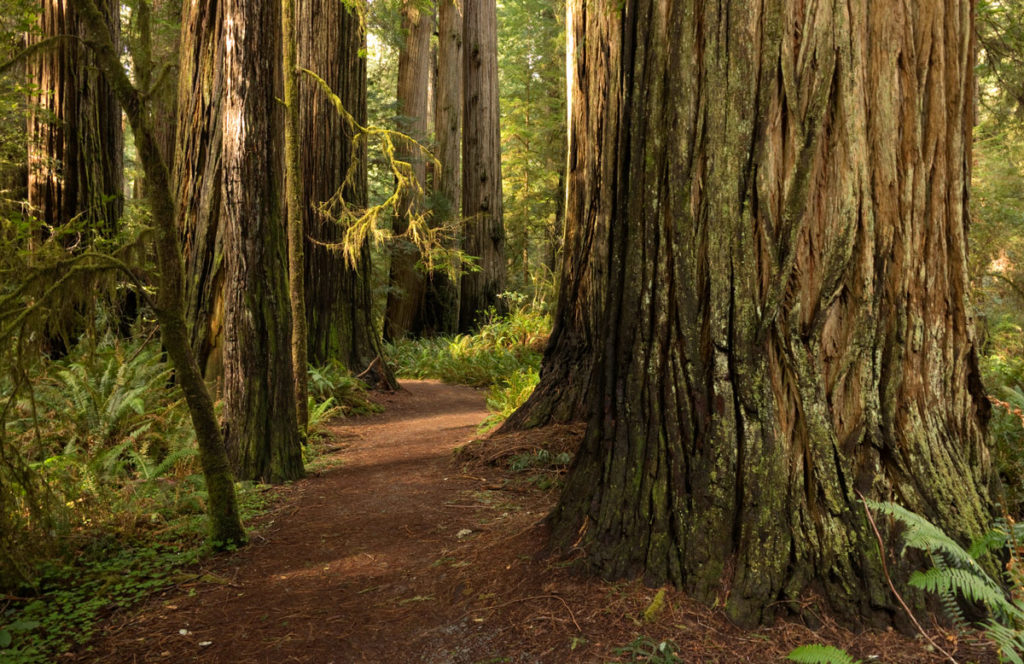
pixel 821 654
pixel 333 382
pixel 960 574
pixel 538 459
pixel 646 649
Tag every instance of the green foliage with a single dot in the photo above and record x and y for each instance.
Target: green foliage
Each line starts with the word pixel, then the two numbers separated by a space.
pixel 492 356
pixel 958 574
pixel 646 649
pixel 504 398
pixel 539 459
pixel 333 382
pixel 820 654
pixel 106 438
pixel 997 231
pixel 531 67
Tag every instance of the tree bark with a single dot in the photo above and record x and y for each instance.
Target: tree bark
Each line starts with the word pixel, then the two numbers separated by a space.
pixel 338 296
pixel 775 211
pixel 439 314
pixel 198 179
pixel 294 218
pixel 75 142
pixel 225 525
pixel 408 284
pixel 484 235
pixel 259 399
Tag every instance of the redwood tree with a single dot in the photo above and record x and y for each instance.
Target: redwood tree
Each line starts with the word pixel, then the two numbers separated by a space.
pixel 440 311
pixel 196 178
pixel 408 283
pixel 767 211
pixel 484 232
pixel 333 158
pixel 75 141
pixel 259 405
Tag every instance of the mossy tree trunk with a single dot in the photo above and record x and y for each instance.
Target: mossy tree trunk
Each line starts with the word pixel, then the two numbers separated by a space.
pixel 338 296
pixel 75 142
pixel 226 527
pixel 408 283
pixel 775 206
pixel 259 399
pixel 484 230
pixel 295 197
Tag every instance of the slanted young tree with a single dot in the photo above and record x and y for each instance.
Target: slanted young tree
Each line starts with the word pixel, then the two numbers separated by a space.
pixel 259 399
pixel 768 206
pixel 408 283
pixel 484 232
pixel 75 142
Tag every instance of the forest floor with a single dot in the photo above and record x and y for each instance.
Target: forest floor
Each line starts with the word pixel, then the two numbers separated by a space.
pixel 400 551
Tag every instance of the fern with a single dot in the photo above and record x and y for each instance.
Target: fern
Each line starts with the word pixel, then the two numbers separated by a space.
pixel 957 573
pixel 819 654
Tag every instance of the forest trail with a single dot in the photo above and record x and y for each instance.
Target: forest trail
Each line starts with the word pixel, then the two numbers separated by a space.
pixel 352 555
pixel 398 554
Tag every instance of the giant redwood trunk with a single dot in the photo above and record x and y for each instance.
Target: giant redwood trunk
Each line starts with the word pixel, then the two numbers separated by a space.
pixel 196 178
pixel 774 197
pixel 484 230
pixel 75 141
pixel 408 283
pixel 333 159
pixel 259 405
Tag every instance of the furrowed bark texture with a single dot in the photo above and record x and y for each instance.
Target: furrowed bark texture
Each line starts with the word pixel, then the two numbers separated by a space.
pixel 484 231
pixel 565 377
pixel 338 297
pixel 259 403
pixel 440 312
pixel 408 284
pixel 197 178
pixel 225 524
pixel 75 141
pixel 782 190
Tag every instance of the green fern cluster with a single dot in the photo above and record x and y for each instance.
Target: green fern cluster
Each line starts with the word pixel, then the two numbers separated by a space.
pixel 93 434
pixel 958 574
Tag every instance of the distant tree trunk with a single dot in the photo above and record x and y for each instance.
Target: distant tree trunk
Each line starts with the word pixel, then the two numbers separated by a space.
pixel 75 142
pixel 259 399
pixel 294 218
pixel 338 296
pixel 163 73
pixel 440 311
pixel 407 282
pixel 484 235
pixel 776 195
pixel 565 375
pixel 197 178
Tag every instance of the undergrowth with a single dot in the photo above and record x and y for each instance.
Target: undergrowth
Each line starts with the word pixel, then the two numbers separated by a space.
pixel 504 356
pixel 120 509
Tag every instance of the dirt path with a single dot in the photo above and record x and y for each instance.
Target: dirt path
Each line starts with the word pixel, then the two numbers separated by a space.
pixel 335 575
pixel 400 555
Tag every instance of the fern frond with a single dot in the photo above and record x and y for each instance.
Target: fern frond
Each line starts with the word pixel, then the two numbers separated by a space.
pixel 821 654
pixel 1009 640
pixel 974 587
